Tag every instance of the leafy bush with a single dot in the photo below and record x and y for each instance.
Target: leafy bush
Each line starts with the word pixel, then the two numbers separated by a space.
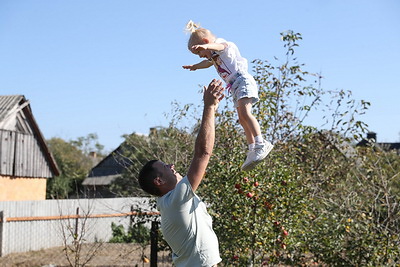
pixel 317 198
pixel 137 233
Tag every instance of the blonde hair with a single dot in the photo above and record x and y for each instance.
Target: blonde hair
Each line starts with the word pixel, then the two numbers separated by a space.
pixel 197 34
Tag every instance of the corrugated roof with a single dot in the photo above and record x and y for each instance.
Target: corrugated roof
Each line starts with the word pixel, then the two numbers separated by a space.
pixel 16 115
pixel 100 180
pixel 8 103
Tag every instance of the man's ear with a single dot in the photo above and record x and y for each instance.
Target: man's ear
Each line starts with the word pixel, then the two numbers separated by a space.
pixel 158 181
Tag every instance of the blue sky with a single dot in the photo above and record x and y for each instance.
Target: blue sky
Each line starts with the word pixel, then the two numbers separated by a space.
pixel 114 67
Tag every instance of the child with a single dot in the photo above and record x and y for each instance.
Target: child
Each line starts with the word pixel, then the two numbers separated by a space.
pixel 232 68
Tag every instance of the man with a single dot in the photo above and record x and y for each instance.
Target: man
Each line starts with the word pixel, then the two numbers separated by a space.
pixel 185 222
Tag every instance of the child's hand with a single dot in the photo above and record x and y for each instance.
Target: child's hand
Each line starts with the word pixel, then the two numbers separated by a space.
pixel 199 48
pixel 190 67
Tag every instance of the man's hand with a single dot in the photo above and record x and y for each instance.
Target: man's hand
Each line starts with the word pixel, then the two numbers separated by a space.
pixel 214 93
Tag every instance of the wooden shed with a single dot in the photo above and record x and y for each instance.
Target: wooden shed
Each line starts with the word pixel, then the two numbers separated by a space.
pixel 101 176
pixel 25 160
pixel 371 139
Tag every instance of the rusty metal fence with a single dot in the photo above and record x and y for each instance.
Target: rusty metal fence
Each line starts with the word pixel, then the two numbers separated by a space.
pixel 77 233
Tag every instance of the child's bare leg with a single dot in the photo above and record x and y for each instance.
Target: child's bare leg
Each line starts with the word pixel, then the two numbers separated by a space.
pixel 247 120
pixel 258 148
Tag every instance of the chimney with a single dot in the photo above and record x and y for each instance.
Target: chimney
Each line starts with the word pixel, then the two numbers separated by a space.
pixel 153 131
pixel 371 136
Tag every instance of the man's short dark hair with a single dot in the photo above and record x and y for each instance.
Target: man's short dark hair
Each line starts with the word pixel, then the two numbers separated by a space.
pixel 146 177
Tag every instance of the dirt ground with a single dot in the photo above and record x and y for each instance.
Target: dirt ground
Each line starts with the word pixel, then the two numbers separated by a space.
pixel 107 254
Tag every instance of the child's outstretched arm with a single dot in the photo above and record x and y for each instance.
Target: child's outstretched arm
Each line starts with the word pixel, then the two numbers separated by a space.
pixel 201 65
pixel 209 46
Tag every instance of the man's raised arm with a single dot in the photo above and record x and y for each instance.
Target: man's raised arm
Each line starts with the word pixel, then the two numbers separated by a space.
pixel 206 137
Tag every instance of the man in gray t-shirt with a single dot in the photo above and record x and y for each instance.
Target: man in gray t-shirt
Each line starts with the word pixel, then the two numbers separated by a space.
pixel 185 222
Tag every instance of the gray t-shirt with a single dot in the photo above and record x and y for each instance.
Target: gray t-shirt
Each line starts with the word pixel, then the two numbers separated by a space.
pixel 187 227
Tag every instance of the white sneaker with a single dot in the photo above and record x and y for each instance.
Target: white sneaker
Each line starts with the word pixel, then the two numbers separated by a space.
pixel 257 155
pixel 248 163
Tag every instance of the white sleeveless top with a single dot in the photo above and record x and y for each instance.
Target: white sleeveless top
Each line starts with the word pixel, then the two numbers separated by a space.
pixel 229 62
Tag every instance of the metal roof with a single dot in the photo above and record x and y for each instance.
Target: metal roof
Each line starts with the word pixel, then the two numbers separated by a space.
pixel 9 103
pixel 16 116
pixel 100 180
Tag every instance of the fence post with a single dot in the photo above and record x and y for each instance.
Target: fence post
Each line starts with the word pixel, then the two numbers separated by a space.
pixel 2 226
pixel 131 218
pixel 153 243
pixel 76 225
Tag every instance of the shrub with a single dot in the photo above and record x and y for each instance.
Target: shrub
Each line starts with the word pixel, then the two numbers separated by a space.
pixel 137 233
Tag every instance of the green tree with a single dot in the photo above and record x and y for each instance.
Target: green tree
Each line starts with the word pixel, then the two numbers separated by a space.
pixel 316 198
pixel 168 144
pixel 74 162
pixel 307 201
pixel 88 144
